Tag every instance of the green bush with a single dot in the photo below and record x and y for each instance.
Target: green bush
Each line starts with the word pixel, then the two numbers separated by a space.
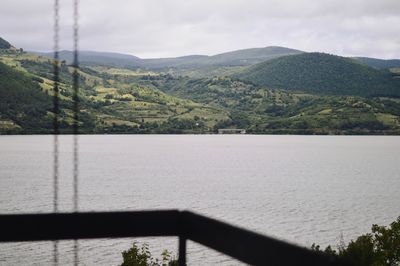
pixel 381 247
pixel 141 256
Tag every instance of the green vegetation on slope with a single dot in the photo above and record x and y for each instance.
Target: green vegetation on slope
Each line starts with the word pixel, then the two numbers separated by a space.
pixel 263 110
pixel 22 103
pixel 322 74
pixel 108 104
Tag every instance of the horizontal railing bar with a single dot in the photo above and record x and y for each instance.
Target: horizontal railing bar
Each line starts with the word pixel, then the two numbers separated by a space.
pixel 241 244
pixel 247 246
pixel 62 226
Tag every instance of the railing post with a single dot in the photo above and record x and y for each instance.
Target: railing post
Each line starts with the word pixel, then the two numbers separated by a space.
pixel 182 251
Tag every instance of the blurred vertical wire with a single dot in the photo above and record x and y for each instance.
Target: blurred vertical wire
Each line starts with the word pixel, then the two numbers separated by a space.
pixel 75 85
pixel 56 111
pixel 76 105
pixel 56 78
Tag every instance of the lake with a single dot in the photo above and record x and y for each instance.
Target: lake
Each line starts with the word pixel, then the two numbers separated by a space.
pixel 302 189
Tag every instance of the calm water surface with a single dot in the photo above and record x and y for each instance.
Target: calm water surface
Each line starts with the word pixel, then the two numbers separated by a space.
pixel 302 189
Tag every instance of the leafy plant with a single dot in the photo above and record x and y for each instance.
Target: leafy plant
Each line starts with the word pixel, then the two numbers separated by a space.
pixel 141 256
pixel 381 247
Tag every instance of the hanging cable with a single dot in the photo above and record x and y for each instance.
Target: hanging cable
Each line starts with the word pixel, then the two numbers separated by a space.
pixel 75 85
pixel 56 110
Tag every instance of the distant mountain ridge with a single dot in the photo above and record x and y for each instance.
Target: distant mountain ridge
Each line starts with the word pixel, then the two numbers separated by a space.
pixel 251 56
pixel 92 57
pixel 379 63
pixel 231 59
pixel 243 57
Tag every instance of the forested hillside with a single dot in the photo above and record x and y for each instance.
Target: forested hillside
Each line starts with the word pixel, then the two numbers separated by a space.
pixel 322 74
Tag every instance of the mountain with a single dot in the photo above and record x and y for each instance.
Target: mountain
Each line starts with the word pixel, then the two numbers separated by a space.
pixel 243 57
pixel 379 63
pixel 322 74
pixel 177 62
pixel 4 44
pixel 97 58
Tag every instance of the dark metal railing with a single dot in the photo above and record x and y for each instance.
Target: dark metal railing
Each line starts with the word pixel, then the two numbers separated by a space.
pixel 241 244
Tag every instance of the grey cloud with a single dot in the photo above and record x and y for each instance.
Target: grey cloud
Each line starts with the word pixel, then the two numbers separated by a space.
pixel 159 28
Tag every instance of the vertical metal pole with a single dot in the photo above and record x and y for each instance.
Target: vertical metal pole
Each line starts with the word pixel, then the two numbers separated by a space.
pixel 182 251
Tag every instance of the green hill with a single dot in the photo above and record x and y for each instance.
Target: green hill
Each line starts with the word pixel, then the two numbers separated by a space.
pixel 322 74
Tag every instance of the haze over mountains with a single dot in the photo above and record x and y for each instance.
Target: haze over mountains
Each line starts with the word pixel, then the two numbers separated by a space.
pixel 244 57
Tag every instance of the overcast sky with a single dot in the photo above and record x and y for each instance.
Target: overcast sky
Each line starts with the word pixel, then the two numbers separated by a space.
pixel 162 28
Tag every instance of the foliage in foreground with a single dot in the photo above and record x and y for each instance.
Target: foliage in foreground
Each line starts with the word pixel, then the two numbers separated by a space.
pixel 378 248
pixel 141 256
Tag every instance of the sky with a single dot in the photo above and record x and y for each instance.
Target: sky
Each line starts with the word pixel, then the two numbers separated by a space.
pixel 168 28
